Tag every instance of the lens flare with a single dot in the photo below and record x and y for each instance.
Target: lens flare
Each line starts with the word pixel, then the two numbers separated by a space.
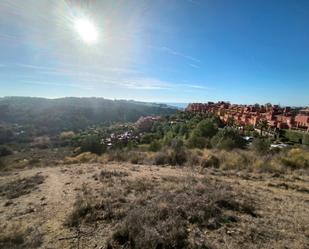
pixel 86 30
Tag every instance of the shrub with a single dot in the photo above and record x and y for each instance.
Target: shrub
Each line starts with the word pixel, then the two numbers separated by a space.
pixel 15 236
pixel 161 158
pixel 200 136
pixel 6 135
pixel 206 128
pixel 261 146
pixel 86 157
pixel 234 160
pixel 5 151
pixel 296 136
pixel 165 218
pixel 135 157
pixel 21 186
pixel 2 164
pixel 117 155
pixel 155 145
pixel 228 139
pixel 210 161
pixel 195 141
pixel 83 209
pixel 105 174
pixel 177 157
pixel 92 144
pixel 296 159
pixel 193 158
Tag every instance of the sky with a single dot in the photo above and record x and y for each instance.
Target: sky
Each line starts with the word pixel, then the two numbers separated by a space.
pixel 240 51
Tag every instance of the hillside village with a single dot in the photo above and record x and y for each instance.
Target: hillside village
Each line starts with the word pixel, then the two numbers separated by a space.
pixel 277 117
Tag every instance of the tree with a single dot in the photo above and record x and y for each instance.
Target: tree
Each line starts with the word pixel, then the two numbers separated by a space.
pixel 206 128
pixel 263 125
pixel 201 135
pixel 261 146
pixel 228 139
pixel 92 144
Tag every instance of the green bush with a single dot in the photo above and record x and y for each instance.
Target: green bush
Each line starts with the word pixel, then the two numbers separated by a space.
pixel 92 144
pixel 206 128
pixel 199 137
pixel 5 151
pixel 161 158
pixel 155 145
pixel 296 136
pixel 196 141
pixel 261 146
pixel 6 135
pixel 228 139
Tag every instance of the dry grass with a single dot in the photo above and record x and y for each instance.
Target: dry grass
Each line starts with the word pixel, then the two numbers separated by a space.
pixel 16 236
pixel 159 215
pixel 86 157
pixel 21 187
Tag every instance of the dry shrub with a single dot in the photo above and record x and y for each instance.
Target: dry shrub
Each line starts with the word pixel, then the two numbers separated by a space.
pixel 234 160
pixel 105 174
pixel 86 157
pixel 21 187
pixel 161 158
pixel 117 155
pixel 171 157
pixel 269 164
pixel 66 135
pixel 88 208
pixel 193 158
pixel 16 236
pixel 296 158
pixel 161 219
pixel 144 214
pixel 136 157
pixel 42 142
pixel 210 161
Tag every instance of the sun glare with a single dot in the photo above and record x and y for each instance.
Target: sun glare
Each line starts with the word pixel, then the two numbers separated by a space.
pixel 86 30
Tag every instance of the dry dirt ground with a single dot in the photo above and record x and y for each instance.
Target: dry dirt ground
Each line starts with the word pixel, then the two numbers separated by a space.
pixel 38 211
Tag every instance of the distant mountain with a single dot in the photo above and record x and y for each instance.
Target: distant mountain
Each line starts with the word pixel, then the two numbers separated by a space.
pixel 54 115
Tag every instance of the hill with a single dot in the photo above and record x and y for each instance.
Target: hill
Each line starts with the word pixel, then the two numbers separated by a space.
pixel 54 115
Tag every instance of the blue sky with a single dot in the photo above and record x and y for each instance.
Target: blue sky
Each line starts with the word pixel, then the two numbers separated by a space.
pixel 153 50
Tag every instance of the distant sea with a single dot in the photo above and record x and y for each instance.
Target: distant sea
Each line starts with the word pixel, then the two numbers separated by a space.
pixel 178 105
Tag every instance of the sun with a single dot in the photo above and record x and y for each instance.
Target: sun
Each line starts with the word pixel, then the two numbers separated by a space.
pixel 86 30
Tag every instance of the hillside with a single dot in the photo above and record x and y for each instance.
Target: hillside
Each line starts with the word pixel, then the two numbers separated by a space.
pixel 108 205
pixel 54 115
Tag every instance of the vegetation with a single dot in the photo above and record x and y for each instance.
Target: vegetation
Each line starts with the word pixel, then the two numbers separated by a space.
pixel 5 151
pixel 228 139
pixel 159 216
pixel 92 144
pixel 18 237
pixel 20 187
pixel 261 146
pixel 51 116
pixel 296 136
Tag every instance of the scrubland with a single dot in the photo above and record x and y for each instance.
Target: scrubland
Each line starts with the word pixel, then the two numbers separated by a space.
pixel 200 198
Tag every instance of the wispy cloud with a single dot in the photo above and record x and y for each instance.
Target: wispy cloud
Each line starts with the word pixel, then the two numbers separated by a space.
pixel 182 55
pixel 193 2
pixel 35 82
pixel 196 86
pixel 195 66
pixel 113 77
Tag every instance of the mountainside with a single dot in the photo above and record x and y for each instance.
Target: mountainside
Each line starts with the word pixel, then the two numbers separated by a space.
pixel 55 115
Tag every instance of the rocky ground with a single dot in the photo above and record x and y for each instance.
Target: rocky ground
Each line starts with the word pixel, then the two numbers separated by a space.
pixel 92 205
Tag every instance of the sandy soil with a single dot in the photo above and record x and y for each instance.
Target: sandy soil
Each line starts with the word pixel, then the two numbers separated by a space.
pixel 283 204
